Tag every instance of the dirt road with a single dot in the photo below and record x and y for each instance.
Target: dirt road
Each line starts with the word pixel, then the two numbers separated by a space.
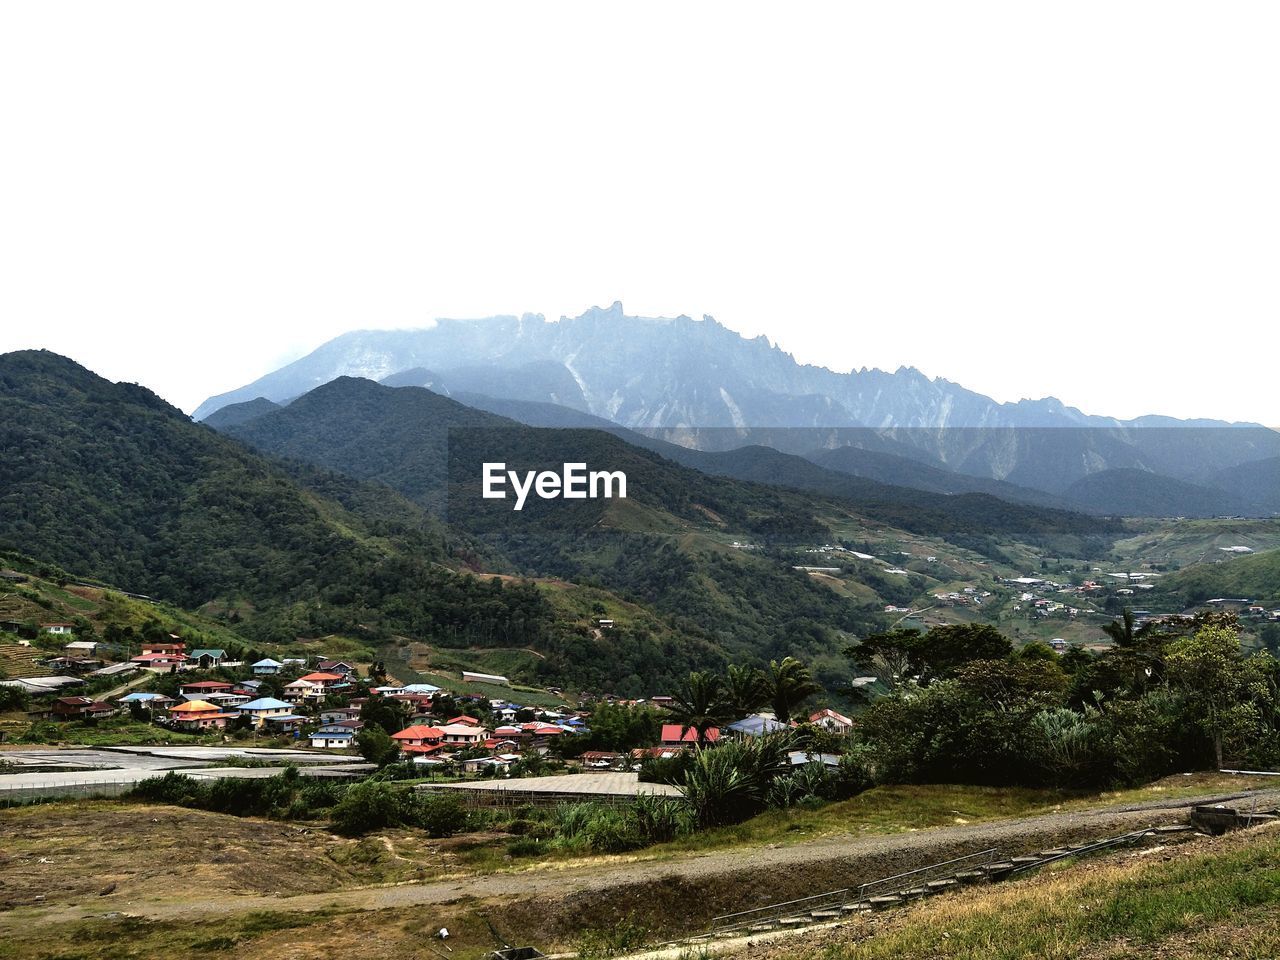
pixel 742 878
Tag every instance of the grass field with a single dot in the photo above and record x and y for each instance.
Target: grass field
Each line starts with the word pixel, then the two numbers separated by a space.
pixel 1208 900
pixel 891 809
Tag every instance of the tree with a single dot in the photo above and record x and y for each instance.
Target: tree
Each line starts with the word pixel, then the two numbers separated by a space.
pixel 376 745
pixel 790 684
pixel 699 704
pixel 745 689
pixel 1121 631
pixel 948 648
pixel 385 714
pixel 893 656
pixel 905 655
pixel 1225 693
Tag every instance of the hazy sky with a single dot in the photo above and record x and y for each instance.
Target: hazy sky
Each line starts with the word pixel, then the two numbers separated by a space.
pixel 1071 199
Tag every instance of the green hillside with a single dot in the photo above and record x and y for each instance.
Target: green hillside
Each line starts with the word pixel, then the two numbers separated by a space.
pixel 663 546
pixel 109 481
pixel 1254 577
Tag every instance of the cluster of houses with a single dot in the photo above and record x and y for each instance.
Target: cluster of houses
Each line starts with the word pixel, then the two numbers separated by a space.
pixel 302 710
pixel 967 597
pixel 206 705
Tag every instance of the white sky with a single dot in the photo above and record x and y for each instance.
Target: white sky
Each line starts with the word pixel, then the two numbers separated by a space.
pixel 1073 199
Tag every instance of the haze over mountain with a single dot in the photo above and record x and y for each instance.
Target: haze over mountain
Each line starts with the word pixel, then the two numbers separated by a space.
pixel 697 384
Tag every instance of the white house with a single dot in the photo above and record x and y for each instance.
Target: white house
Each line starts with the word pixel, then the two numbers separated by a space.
pixel 469 677
pixel 463 734
pixel 303 691
pixel 332 740
pixel 828 719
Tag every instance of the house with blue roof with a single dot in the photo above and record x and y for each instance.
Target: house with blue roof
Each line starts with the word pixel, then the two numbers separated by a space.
pixel 264 709
pixel 424 688
pixel 267 667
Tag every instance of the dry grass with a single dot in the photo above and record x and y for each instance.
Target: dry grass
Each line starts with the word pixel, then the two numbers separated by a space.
pixel 66 852
pixel 894 809
pixel 1210 898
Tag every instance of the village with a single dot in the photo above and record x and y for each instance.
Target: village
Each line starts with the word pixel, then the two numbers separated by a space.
pixel 324 704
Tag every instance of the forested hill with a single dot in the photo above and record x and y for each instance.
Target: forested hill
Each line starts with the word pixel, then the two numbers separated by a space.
pixel 108 480
pixel 431 449
pixel 401 437
pixel 665 546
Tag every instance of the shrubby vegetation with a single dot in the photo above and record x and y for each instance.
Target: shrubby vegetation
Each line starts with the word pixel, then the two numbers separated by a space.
pixel 352 809
pixel 965 708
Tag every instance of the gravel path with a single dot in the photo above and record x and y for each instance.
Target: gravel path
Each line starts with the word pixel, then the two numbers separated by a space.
pixel 743 879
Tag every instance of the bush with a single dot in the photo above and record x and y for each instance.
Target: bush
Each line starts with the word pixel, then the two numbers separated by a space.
pixel 853 775
pixel 438 815
pixel 597 827
pixel 659 819
pixel 173 788
pixel 367 806
pixel 670 770
pixel 525 847
pixel 730 783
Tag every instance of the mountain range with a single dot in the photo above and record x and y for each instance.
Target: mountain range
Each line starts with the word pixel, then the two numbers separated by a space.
pixel 700 386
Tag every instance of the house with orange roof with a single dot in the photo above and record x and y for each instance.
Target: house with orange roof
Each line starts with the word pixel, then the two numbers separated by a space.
pixel 304 691
pixel 463 735
pixel 325 680
pixel 199 715
pixel 420 740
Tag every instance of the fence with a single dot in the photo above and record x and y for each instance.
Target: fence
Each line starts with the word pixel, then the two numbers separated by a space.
pixel 17 796
pixel 506 797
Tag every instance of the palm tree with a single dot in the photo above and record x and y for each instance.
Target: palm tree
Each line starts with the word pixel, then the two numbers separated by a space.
pixel 1121 631
pixel 699 705
pixel 790 684
pixel 745 690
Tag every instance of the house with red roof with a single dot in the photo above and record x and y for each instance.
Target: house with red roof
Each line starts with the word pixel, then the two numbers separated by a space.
pixel 205 687
pixel 674 735
pixel 80 708
pixel 160 661
pixel 419 740
pixel 828 719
